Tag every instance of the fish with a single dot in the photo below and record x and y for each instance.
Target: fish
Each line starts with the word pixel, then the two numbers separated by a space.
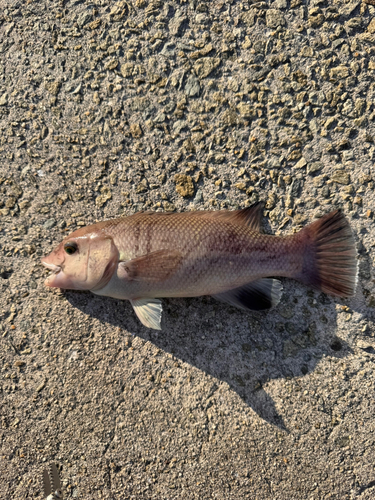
pixel 148 256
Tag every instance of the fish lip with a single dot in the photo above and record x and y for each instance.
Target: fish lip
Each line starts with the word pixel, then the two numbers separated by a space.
pixel 52 267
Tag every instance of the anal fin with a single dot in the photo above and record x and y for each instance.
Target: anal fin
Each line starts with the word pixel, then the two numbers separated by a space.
pixel 148 312
pixel 257 295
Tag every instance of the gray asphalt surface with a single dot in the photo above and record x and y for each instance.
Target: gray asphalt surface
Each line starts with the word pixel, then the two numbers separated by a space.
pixel 111 107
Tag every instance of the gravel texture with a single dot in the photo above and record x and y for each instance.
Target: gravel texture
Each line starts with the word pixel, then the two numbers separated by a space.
pixel 109 107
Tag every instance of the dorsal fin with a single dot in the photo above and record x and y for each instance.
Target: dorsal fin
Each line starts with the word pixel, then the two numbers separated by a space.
pixel 250 216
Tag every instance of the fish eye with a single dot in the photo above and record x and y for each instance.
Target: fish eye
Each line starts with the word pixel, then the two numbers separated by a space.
pixel 70 248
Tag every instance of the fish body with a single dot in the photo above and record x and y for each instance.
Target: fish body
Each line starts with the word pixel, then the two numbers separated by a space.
pixel 148 256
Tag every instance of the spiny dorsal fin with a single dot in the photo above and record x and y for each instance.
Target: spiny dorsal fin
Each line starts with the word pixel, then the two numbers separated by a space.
pixel 250 216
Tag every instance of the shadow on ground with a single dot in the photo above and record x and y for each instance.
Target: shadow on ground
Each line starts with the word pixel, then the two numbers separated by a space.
pixel 245 350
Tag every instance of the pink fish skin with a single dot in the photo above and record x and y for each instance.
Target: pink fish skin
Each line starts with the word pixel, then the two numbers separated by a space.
pixel 147 256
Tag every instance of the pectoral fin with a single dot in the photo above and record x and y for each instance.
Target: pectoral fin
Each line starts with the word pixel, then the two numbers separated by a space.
pixel 257 295
pixel 155 266
pixel 148 311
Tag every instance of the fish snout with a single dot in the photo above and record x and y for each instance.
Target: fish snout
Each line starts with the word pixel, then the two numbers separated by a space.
pixel 50 281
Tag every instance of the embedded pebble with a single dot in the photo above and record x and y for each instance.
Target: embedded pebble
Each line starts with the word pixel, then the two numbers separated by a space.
pixel 49 224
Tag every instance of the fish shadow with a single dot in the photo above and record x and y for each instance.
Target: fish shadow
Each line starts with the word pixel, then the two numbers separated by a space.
pixel 242 349
pixel 245 350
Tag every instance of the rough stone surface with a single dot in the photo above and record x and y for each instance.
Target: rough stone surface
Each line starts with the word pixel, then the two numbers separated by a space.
pixel 184 185
pixel 109 108
pixel 274 18
pixel 341 177
pixel 204 66
pixel 192 87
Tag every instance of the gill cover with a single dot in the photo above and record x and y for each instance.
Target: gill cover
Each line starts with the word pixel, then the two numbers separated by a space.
pixel 102 262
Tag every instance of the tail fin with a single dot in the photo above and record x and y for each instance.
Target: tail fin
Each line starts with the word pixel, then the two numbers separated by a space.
pixel 330 257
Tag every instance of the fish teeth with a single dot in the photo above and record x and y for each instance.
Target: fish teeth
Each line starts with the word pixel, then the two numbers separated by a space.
pixel 52 267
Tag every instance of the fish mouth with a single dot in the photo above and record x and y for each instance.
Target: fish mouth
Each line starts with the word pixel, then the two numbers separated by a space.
pixel 52 267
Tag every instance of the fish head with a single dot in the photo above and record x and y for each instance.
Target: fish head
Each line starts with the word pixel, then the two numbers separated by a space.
pixel 85 260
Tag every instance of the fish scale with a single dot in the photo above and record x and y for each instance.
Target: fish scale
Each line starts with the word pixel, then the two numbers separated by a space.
pixel 216 254
pixel 148 256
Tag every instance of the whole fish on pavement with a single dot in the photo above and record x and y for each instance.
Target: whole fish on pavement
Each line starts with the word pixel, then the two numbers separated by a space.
pixel 148 256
